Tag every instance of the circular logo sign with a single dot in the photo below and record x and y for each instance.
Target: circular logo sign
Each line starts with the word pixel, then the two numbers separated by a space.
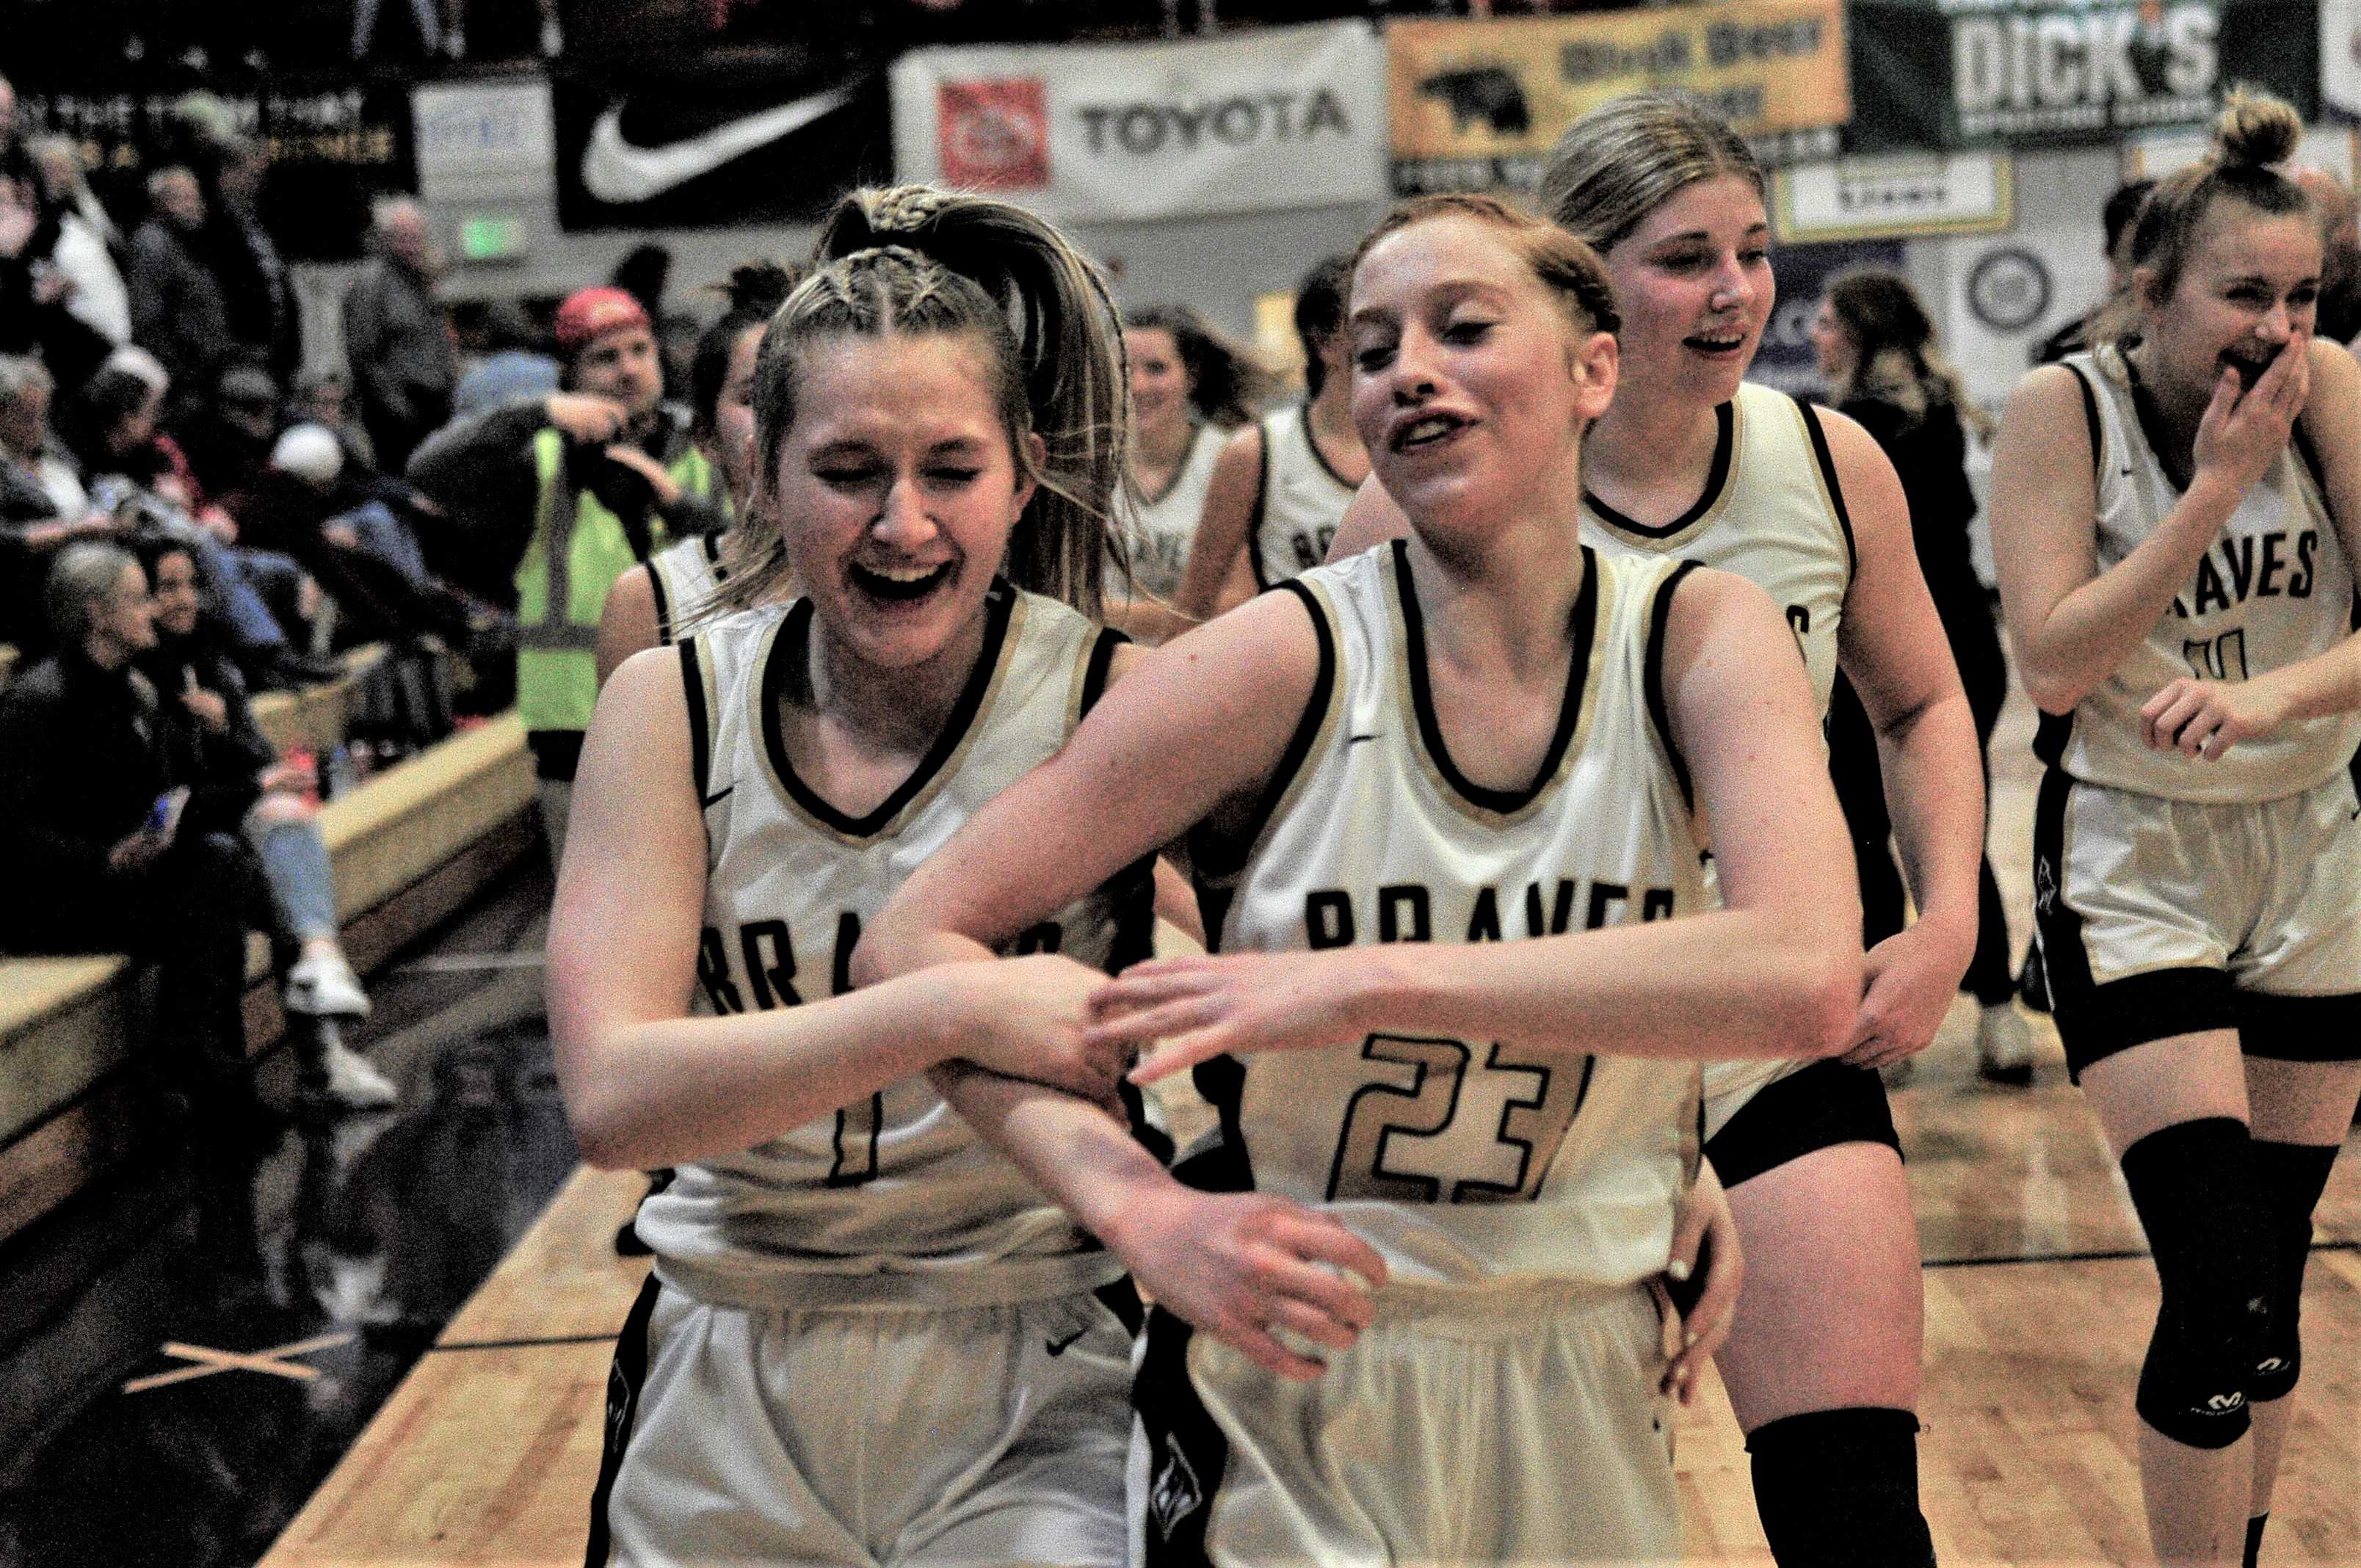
pixel 2008 290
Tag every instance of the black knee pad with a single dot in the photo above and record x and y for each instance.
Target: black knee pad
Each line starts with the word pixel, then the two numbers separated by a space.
pixel 2194 1184
pixel 1840 1487
pixel 2291 1177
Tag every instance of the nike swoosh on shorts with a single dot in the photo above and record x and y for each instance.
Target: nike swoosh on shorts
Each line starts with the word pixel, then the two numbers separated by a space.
pixel 616 172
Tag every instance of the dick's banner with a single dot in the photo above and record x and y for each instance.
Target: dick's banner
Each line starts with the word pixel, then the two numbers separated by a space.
pixel 1281 117
pixel 1479 104
pixel 1976 73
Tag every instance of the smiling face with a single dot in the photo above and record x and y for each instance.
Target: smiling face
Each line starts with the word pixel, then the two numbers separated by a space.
pixel 1471 384
pixel 175 593
pixel 2248 290
pixel 896 490
pixel 1693 281
pixel 1159 382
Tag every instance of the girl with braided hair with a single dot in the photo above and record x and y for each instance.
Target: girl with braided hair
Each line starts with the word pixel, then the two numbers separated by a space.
pixel 2176 514
pixel 867 1338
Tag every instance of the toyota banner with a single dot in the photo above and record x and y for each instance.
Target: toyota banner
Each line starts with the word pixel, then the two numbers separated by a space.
pixel 1281 117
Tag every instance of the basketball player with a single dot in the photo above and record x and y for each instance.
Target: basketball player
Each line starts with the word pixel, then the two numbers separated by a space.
pixel 2175 515
pixel 1691 462
pixel 1283 483
pixel 867 1338
pixel 1191 386
pixel 1484 732
pixel 649 605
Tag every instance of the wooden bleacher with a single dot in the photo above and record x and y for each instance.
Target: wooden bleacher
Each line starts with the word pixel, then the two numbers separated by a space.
pixel 409 847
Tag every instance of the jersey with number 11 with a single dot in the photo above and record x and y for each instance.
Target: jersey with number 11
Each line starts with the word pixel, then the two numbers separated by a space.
pixel 892 1200
pixel 1468 1160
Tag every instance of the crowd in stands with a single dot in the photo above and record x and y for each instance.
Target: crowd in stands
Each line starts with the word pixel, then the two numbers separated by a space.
pixel 190 517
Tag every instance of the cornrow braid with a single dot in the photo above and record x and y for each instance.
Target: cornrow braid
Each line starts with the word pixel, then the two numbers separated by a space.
pixel 914 259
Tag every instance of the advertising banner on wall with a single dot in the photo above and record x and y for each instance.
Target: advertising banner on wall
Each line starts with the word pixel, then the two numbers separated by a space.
pixel 1977 73
pixel 1895 194
pixel 332 142
pixel 1277 118
pixel 1478 103
pixel 711 142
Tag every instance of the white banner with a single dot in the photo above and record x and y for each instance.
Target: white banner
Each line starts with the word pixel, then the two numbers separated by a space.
pixel 484 140
pixel 1278 118
pixel 1902 193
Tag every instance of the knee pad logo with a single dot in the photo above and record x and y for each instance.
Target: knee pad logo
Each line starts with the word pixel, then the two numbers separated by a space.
pixel 2225 1404
pixel 2269 1364
pixel 1176 1494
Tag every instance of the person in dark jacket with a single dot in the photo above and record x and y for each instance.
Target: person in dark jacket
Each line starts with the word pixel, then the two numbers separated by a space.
pixel 178 311
pixel 1877 348
pixel 99 858
pixel 239 784
pixel 404 366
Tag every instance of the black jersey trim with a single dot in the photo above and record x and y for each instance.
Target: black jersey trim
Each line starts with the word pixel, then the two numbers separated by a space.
pixel 1319 456
pixel 1725 452
pixel 1094 673
pixel 791 657
pixel 1180 469
pixel 1828 462
pixel 1585 626
pixel 1659 711
pixel 625 1380
pixel 700 723
pixel 713 558
pixel 2090 421
pixel 1254 518
pixel 2051 732
pixel 1188 1452
pixel 1223 856
pixel 663 604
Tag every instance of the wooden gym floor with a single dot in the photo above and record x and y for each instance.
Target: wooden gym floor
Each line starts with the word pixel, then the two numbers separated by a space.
pixel 2040 1297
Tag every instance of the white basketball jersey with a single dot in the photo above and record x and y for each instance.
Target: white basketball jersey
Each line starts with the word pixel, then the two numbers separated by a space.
pixel 1466 1160
pixel 1771 512
pixel 684 574
pixel 1160 529
pixel 892 1200
pixel 1299 503
pixel 2275 588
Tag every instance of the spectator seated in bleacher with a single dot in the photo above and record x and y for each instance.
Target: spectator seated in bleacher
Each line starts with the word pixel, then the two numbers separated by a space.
pixel 235 774
pixel 43 507
pixel 99 859
pixel 133 468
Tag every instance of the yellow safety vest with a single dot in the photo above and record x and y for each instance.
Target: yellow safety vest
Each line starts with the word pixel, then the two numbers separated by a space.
pixel 579 549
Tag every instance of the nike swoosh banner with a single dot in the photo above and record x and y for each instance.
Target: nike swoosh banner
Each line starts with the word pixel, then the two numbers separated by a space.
pixel 1278 118
pixel 716 144
pixel 1977 73
pixel 1478 104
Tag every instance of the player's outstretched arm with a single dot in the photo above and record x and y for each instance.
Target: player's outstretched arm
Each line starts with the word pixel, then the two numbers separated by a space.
pixel 1179 734
pixel 646 1085
pixel 1775 972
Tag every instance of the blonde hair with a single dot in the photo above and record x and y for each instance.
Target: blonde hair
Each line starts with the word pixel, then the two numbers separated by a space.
pixel 913 259
pixel 1566 266
pixel 1632 154
pixel 2253 132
